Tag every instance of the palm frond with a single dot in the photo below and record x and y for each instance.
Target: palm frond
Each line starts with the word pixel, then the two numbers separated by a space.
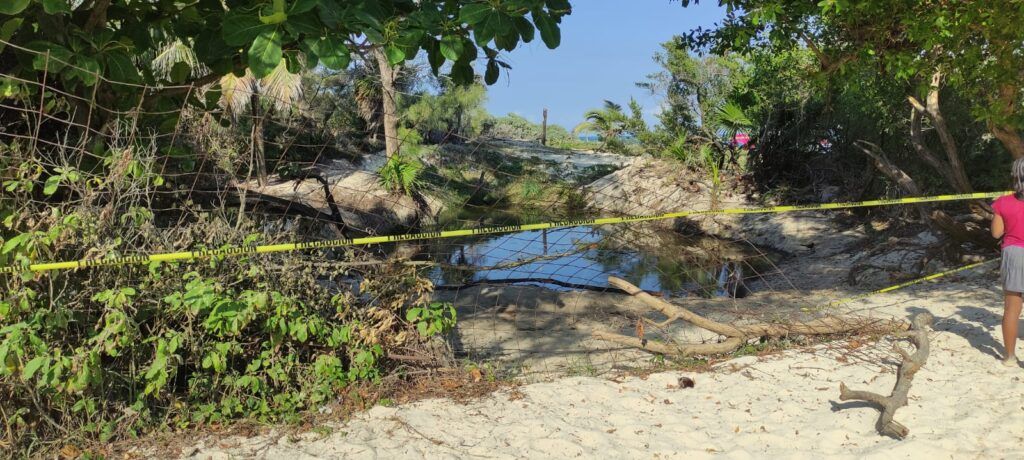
pixel 172 53
pixel 282 88
pixel 236 92
pixel 732 119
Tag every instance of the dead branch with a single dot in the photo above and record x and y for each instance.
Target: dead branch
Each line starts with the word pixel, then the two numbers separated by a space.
pixel 918 335
pixel 735 335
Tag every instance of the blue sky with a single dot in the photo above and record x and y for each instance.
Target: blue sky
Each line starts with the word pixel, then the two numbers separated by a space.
pixel 607 46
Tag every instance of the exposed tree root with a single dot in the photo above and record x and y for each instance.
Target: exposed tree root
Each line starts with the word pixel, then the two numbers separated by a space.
pixel 918 334
pixel 734 335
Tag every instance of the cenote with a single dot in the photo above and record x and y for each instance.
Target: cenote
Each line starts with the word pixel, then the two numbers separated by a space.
pixel 657 260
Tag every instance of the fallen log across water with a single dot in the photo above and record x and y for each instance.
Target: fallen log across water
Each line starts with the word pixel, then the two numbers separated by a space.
pixel 734 335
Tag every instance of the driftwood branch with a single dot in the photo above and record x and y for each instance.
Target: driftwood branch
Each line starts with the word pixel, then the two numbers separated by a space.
pixel 912 363
pixel 734 336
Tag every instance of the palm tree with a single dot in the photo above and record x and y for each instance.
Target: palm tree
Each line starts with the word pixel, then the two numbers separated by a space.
pixel 281 92
pixel 608 122
pixel 730 119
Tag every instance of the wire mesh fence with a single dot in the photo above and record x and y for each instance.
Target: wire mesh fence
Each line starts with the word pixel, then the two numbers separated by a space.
pixel 134 169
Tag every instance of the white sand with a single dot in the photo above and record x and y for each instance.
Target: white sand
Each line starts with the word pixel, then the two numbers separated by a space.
pixel 963 405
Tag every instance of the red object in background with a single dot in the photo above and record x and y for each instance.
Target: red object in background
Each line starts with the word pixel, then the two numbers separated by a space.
pixel 741 139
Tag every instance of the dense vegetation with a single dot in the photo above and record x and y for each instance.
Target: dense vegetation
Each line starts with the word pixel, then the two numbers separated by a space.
pixel 127 127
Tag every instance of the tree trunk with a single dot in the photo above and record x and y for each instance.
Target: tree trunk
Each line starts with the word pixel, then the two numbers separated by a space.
pixel 1010 138
pixel 953 169
pixel 258 162
pixel 1005 132
pixel 544 129
pixel 390 108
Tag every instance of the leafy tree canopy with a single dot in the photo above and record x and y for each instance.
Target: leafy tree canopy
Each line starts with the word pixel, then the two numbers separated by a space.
pixel 973 45
pixel 123 40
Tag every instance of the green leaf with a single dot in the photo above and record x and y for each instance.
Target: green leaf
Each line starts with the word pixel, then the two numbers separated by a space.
pixel 558 5
pixel 120 67
pixel 491 75
pixel 302 6
pixel 51 57
pixel 265 53
pixel 14 242
pixel 8 29
pixel 368 19
pixel 56 6
pixel 549 31
pixel 452 47
pixel 241 29
pixel 52 183
pixel 303 24
pixel 32 366
pixel 473 13
pixel 395 54
pixel 13 6
pixel 332 53
pixel 525 28
pixel 434 56
pixel 180 72
pixel 497 23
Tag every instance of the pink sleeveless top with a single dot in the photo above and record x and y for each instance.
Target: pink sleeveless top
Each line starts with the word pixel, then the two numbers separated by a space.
pixel 1012 211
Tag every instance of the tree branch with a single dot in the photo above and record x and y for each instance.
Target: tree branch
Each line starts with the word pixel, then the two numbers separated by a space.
pixel 735 336
pixel 911 363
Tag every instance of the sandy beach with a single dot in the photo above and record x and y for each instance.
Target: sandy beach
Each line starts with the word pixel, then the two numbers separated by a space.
pixel 963 404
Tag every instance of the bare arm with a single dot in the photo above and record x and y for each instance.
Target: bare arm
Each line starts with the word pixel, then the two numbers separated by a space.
pixel 997 226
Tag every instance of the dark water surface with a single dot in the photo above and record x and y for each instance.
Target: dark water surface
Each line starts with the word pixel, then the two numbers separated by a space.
pixel 656 260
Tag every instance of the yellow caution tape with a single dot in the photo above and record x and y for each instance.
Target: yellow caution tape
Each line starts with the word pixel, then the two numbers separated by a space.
pixel 286 247
pixel 933 276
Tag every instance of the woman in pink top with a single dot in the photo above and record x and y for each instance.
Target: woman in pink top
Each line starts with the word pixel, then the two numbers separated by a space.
pixel 1009 224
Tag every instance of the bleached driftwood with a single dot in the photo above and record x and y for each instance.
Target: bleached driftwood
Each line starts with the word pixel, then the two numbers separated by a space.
pixel 734 335
pixel 918 334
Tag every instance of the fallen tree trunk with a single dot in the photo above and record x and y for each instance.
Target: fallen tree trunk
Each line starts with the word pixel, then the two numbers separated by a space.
pixel 734 335
pixel 918 334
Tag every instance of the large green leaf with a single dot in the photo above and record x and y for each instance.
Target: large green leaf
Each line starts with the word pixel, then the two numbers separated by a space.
pixel 395 54
pixel 474 13
pixel 86 69
pixel 302 6
pixel 332 53
pixel 491 75
pixel 303 24
pixel 13 6
pixel 525 29
pixel 558 5
pixel 498 22
pixel 434 56
pixel 452 47
pixel 241 29
pixel 56 6
pixel 33 366
pixel 52 57
pixel 549 31
pixel 8 29
pixel 265 53
pixel 119 67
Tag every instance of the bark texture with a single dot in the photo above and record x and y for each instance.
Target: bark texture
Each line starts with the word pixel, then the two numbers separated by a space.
pixel 734 335
pixel 918 335
pixel 390 108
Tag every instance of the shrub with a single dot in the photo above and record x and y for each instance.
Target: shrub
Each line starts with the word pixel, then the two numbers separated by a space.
pixel 109 352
